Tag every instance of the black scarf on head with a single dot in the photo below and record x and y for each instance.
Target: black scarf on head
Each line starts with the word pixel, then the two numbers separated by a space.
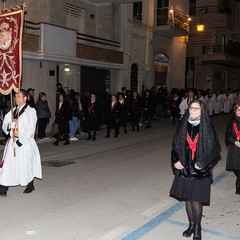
pixel 208 146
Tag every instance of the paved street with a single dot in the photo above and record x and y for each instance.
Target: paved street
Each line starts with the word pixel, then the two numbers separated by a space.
pixel 116 189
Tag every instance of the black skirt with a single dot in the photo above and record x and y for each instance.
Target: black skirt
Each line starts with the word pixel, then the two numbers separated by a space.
pixel 191 189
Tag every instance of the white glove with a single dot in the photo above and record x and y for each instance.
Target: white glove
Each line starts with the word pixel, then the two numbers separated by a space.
pixel 12 125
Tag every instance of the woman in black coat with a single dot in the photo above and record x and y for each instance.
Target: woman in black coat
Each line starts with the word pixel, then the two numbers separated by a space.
pixel 63 115
pixel 195 147
pixel 92 117
pixel 135 111
pixel 123 111
pixel 148 108
pixel 113 118
pixel 232 139
pixel 43 114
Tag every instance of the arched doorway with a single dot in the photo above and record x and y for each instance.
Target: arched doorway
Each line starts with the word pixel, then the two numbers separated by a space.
pixel 161 69
pixel 134 77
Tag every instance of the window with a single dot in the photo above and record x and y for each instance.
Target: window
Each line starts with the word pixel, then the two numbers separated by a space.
pixel 137 11
pixel 192 8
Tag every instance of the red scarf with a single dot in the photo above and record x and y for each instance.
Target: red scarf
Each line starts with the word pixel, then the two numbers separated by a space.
pixel 192 144
pixel 112 107
pixel 236 131
pixel 90 107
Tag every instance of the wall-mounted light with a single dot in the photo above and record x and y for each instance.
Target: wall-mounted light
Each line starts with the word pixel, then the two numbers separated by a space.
pixel 200 27
pixel 67 69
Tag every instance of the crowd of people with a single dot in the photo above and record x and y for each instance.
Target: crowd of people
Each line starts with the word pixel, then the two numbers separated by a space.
pixel 75 113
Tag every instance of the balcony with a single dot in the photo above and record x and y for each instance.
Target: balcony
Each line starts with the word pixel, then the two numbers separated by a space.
pixel 171 22
pixel 56 43
pixel 228 55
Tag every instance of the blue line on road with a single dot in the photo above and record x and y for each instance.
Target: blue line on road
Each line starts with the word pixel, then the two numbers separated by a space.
pixel 212 232
pixel 163 217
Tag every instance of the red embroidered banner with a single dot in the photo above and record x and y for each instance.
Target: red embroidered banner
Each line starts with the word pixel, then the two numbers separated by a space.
pixel 11 26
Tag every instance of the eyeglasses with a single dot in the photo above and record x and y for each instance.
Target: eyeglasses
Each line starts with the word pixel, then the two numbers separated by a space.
pixel 194 109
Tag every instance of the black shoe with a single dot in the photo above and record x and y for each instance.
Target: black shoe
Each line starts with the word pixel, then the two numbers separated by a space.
pixel 133 130
pixel 94 139
pixel 238 191
pixel 189 231
pixel 3 194
pixel 89 138
pixel 29 189
pixel 115 135
pixel 125 131
pixel 197 232
pixel 56 143
pixel 66 143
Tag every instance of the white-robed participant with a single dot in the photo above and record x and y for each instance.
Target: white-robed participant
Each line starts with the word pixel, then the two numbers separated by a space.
pixel 21 161
pixel 218 102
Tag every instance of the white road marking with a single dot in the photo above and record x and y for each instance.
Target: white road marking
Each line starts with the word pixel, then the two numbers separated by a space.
pixel 115 233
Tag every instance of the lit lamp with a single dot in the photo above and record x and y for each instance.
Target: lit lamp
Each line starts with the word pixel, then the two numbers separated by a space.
pixel 200 27
pixel 67 69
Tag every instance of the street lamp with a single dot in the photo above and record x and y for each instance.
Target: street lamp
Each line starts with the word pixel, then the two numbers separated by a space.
pixel 200 27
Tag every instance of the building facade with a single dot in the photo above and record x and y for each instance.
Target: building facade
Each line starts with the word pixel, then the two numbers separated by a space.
pixel 213 56
pixel 90 45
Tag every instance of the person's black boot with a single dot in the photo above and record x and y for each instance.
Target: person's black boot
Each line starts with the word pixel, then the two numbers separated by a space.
pixel 188 232
pixel 197 232
pixel 108 133
pixel 89 135
pixel 238 191
pixel 94 136
pixel 56 143
pixel 30 187
pixel 67 142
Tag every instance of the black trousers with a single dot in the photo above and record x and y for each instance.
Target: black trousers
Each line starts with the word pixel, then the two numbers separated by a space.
pixel 42 125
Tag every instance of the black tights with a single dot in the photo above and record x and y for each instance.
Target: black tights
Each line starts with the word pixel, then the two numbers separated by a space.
pixel 194 211
pixel 237 173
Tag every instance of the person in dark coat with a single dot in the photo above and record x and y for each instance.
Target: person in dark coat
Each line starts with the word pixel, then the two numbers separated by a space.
pixel 106 104
pixel 232 139
pixel 63 115
pixel 174 106
pixel 135 111
pixel 195 146
pixel 113 118
pixel 92 117
pixel 31 101
pixel 43 114
pixel 123 111
pixel 148 108
pixel 73 123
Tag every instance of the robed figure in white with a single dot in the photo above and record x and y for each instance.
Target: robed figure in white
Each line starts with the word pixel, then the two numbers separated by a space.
pixel 21 161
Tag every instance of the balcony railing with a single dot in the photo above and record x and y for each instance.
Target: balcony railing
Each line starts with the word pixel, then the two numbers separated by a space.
pixel 211 9
pixel 171 16
pixel 34 28
pixel 231 48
